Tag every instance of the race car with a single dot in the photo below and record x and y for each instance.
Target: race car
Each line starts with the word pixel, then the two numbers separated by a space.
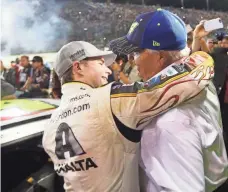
pixel 25 165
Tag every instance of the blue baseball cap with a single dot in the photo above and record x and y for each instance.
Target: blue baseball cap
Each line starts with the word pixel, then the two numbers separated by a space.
pixel 158 30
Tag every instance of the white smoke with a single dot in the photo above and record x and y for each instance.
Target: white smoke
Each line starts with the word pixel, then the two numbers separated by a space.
pixel 31 26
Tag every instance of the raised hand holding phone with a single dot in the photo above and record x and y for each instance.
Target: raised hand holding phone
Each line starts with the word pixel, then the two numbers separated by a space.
pixel 213 24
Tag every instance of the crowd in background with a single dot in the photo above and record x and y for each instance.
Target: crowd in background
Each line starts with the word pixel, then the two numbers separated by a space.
pixel 99 23
pixel 25 79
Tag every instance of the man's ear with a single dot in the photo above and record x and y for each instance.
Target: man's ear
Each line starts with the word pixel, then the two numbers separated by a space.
pixel 76 68
pixel 161 59
pixel 165 59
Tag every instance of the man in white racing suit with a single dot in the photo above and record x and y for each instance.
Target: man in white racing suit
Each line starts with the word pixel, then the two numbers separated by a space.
pixel 93 137
pixel 183 149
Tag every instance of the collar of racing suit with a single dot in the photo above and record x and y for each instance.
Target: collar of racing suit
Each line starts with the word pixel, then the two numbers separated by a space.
pixel 74 86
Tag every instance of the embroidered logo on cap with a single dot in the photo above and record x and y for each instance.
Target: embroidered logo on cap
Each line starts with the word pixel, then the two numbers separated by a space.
pixel 156 44
pixel 132 28
pixel 79 54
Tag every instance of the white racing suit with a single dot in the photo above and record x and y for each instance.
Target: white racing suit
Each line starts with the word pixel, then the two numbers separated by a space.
pixel 93 137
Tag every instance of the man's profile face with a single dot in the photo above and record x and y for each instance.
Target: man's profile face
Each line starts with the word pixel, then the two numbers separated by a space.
pixel 35 64
pixel 95 71
pixel 24 61
pixel 210 43
pixel 13 64
pixel 120 62
pixel 224 43
pixel 148 63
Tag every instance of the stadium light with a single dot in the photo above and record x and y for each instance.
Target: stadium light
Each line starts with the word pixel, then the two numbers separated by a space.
pixel 207 2
pixel 182 3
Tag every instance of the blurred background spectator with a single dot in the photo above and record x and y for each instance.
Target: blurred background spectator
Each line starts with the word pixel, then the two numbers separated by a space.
pixel 55 86
pixel 37 85
pixel 224 42
pixel 3 70
pixel 13 74
pixel 26 72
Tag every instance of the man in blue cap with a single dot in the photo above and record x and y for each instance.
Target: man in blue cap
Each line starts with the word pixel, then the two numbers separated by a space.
pixel 183 149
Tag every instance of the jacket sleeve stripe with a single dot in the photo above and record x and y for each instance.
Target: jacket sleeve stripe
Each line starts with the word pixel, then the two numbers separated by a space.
pixel 179 76
pixel 121 90
pixel 124 95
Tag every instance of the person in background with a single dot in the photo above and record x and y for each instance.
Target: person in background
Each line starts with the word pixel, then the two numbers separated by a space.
pixel 127 64
pixel 17 61
pixel 210 44
pixel 13 75
pixel 224 42
pixel 121 60
pixel 219 36
pixel 112 77
pixel 189 42
pixel 220 56
pixel 189 36
pixel 41 76
pixel 199 35
pixel 223 97
pixel 225 105
pixel 17 68
pixel 26 72
pixel 38 85
pixel 183 149
pixel 130 72
pixel 3 70
pixel 56 86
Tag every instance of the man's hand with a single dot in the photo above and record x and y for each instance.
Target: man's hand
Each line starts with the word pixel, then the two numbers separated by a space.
pixel 29 79
pixel 199 31
pixel 198 38
pixel 27 84
pixel 23 88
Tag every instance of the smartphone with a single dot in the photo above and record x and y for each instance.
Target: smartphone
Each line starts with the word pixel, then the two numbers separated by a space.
pixel 213 24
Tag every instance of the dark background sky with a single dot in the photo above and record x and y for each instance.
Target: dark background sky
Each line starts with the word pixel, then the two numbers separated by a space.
pixel 219 5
